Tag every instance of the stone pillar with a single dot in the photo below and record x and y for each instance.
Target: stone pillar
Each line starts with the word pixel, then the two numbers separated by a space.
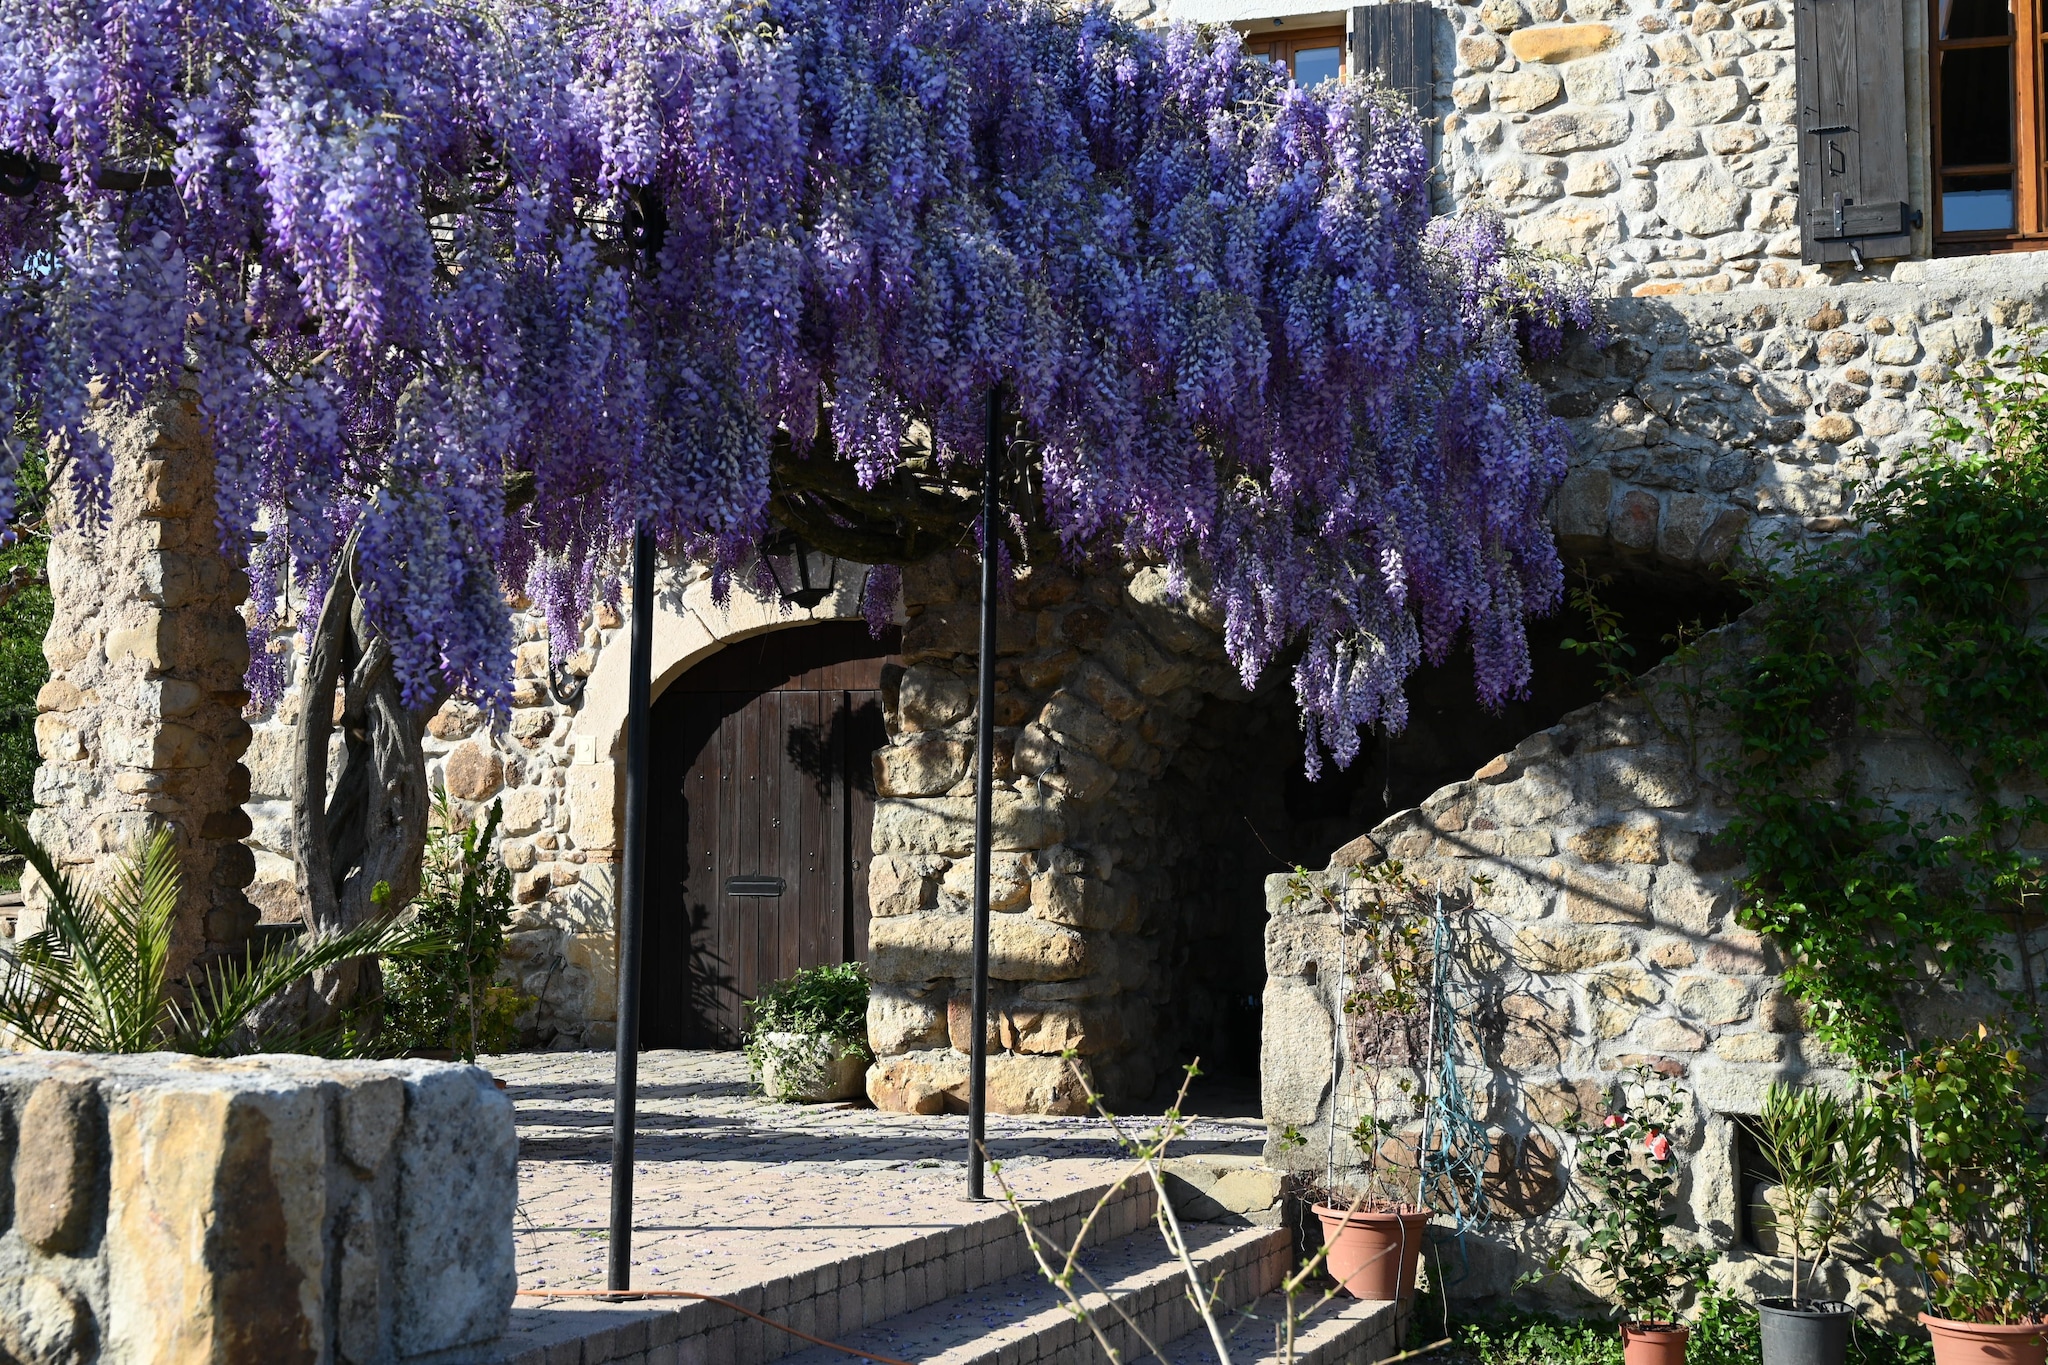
pixel 141 721
pixel 1097 680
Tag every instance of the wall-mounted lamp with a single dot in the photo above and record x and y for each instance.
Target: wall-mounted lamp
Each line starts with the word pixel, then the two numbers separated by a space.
pixel 804 574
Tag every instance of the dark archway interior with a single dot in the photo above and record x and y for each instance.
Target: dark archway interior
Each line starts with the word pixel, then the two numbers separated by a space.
pixel 1237 797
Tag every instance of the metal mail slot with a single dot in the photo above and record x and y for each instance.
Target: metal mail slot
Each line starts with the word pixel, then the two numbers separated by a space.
pixel 753 886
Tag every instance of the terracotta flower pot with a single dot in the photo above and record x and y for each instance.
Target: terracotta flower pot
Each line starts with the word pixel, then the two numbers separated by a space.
pixel 1373 1255
pixel 1653 1343
pixel 1985 1343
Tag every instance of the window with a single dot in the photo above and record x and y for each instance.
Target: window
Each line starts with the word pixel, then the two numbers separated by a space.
pixel 1988 68
pixel 1311 56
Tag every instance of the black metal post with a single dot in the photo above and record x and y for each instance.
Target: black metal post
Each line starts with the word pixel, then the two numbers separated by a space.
pixel 630 907
pixel 984 798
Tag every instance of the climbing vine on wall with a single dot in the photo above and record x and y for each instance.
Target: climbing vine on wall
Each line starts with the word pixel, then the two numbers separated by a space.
pixel 1928 627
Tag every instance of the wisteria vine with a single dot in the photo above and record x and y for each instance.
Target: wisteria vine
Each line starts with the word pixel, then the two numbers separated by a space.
pixel 412 254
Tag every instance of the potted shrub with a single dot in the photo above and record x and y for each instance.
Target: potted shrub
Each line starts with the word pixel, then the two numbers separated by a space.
pixel 1372 1240
pixel 1372 1235
pixel 1833 1158
pixel 807 1034
pixel 1628 1167
pixel 1972 1225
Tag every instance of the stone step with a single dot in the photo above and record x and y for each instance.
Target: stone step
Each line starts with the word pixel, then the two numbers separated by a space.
pixel 1344 1331
pixel 832 1299
pixel 1025 1319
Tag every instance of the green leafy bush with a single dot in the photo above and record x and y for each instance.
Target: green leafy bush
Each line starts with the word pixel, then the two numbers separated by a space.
pixel 24 621
pixel 1833 1157
pixel 451 1002
pixel 1926 624
pixel 1629 1165
pixel 1981 1161
pixel 828 1003
pixel 94 979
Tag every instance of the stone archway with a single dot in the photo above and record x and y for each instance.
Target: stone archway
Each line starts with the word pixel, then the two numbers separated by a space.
pixel 1143 798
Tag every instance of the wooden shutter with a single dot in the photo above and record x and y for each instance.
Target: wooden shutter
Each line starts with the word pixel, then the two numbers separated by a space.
pixel 1852 129
pixel 1394 41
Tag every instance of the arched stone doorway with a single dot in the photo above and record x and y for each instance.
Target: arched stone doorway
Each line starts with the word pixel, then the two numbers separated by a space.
pixel 762 815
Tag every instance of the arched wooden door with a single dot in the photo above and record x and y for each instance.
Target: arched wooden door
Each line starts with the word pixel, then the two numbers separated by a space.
pixel 762 815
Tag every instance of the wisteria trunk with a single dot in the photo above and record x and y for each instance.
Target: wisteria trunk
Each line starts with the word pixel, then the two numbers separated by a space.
pixel 360 847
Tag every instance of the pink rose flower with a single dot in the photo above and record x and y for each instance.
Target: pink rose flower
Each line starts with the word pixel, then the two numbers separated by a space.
pixel 1614 1120
pixel 1660 1147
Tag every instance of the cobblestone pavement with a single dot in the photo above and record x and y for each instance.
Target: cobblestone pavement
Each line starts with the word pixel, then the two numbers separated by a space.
pixel 731 1189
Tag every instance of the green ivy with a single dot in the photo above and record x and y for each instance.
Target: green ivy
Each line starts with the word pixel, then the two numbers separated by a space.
pixel 1923 627
pixel 24 621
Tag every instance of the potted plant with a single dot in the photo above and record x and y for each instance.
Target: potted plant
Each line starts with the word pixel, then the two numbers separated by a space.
pixel 807 1034
pixel 1373 1235
pixel 1833 1158
pixel 1373 1239
pixel 1628 1167
pixel 1972 1226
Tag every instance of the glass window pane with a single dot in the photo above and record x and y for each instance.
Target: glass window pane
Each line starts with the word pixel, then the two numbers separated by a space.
pixel 1976 203
pixel 1976 18
pixel 1976 106
pixel 1314 65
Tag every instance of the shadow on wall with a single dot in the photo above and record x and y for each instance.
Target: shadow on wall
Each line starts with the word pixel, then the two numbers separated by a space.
pixel 1238 797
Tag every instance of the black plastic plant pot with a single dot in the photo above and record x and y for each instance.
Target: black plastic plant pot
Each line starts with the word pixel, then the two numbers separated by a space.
pixel 1805 1331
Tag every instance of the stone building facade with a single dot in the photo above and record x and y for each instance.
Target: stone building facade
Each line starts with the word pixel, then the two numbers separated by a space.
pixel 1746 389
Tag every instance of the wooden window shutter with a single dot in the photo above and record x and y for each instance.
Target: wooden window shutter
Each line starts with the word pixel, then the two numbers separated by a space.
pixel 1852 129
pixel 1394 40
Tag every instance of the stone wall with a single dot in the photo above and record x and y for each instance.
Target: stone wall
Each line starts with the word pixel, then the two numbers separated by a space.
pixel 1098 680
pixel 555 765
pixel 1723 425
pixel 264 1211
pixel 140 722
pixel 1592 907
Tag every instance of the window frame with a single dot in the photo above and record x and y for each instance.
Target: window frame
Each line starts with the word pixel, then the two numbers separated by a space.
pixel 1269 45
pixel 2029 46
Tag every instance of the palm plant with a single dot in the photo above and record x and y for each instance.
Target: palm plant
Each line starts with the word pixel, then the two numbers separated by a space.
pixel 93 979
pixel 1833 1156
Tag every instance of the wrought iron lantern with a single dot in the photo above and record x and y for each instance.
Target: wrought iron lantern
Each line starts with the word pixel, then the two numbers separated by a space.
pixel 804 574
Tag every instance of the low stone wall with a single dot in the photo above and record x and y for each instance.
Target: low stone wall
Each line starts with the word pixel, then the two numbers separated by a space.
pixel 1592 908
pixel 263 1211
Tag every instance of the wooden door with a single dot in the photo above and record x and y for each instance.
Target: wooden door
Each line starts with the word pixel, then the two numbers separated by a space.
pixel 762 816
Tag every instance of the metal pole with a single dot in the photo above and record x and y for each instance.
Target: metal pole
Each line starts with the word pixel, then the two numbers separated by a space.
pixel 630 907
pixel 984 799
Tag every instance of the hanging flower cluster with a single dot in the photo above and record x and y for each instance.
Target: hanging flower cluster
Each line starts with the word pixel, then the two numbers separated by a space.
pixel 484 284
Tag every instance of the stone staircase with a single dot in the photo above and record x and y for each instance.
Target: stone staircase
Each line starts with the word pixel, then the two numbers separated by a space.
pixel 972 1295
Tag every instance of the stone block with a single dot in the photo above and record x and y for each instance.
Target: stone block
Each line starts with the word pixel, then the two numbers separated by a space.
pixel 1602 898
pixel 1294 1053
pixel 923 765
pixel 1580 511
pixel 1632 841
pixel 254 1211
pixel 1223 1189
pixel 1563 43
pixel 1682 900
pixel 1619 995
pixel 1642 777
pixel 933 698
pixel 1574 130
pixel 593 794
pixel 525 810
pixel 1715 999
pixel 945 824
pixel 926 947
pixel 57 1165
pixel 1557 948
pixel 1010 880
pixel 1750 1047
pixel 901 1019
pixel 472 772
pixel 903 883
